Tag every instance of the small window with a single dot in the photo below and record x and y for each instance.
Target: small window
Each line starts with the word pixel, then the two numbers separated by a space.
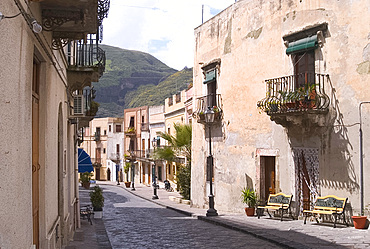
pixel 105 132
pixel 118 128
pixel 178 97
pixel 142 119
pixel 170 101
pixel 110 128
pixel 117 148
pixel 169 130
pixel 103 150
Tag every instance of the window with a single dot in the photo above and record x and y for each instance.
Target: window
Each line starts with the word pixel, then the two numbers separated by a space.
pixel 132 122
pixel 170 101
pixel 132 145
pixel 211 81
pixel 160 173
pixel 118 128
pixel 117 148
pixel 178 97
pixel 105 132
pixel 110 128
pixel 142 119
pixel 169 130
pixel 103 150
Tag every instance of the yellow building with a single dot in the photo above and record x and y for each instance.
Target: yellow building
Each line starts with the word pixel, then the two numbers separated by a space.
pixel 174 113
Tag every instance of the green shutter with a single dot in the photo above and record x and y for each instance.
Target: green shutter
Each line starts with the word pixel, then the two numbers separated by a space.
pixel 210 76
pixel 305 44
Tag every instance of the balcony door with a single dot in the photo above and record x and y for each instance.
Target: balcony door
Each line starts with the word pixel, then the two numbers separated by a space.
pixel 35 153
pixel 304 68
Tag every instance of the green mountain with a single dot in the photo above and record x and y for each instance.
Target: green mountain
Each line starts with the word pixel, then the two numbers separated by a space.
pixel 133 79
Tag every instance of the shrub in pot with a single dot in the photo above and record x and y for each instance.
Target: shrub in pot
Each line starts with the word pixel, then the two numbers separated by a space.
pixel 85 179
pixel 97 201
pixel 249 197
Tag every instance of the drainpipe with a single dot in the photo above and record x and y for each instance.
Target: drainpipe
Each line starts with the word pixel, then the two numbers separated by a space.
pixel 361 162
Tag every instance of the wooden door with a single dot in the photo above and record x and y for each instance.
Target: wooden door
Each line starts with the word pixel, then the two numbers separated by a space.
pixel 35 154
pixel 267 177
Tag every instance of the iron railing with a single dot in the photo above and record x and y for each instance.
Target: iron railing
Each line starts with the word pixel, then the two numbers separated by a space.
pixel 87 54
pixel 295 93
pixel 213 101
pixel 144 126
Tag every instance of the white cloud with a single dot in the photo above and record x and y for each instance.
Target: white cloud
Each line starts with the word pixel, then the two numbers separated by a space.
pixel 163 28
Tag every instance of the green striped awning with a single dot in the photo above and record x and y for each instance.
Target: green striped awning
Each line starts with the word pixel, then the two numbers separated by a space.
pixel 305 44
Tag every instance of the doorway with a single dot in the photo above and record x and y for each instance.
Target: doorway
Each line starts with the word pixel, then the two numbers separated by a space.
pixel 35 152
pixel 307 186
pixel 268 176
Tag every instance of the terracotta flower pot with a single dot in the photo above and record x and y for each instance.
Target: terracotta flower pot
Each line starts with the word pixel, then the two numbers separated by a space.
pixel 249 211
pixel 359 221
pixel 127 184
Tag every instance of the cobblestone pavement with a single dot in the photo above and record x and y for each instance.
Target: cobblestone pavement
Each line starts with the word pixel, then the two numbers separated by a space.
pixel 132 222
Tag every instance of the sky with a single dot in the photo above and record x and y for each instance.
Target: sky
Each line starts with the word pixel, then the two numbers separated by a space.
pixel 162 28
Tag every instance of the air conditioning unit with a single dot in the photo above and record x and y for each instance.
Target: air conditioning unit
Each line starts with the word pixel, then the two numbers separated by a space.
pixel 78 107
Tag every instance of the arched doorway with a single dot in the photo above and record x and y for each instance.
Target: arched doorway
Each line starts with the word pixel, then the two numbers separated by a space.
pixel 108 174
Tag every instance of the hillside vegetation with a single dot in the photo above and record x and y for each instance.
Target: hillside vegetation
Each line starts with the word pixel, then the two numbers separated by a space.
pixel 133 79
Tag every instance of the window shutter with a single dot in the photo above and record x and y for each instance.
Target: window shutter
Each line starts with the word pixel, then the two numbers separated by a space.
pixel 305 44
pixel 210 76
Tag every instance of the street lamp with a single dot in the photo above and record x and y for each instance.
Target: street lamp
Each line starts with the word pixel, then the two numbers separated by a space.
pixel 132 171
pixel 155 196
pixel 117 168
pixel 209 116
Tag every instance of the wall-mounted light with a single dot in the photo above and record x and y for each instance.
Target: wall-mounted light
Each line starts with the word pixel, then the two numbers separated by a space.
pixel 36 27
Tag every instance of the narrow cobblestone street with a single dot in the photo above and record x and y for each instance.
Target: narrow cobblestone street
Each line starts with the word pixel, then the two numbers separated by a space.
pixel 132 222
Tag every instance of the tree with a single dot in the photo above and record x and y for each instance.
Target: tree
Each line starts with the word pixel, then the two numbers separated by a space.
pixel 178 145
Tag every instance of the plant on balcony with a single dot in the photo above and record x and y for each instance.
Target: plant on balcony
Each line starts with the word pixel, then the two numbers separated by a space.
pixel 94 107
pixel 306 96
pixel 130 130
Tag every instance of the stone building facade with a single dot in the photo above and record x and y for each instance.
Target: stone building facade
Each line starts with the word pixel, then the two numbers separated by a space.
pixel 40 75
pixel 251 62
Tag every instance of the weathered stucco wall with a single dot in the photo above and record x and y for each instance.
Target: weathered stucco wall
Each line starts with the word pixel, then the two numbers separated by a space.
pixel 248 38
pixel 18 50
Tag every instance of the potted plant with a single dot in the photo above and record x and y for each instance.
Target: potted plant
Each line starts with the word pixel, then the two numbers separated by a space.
pixel 249 197
pixel 360 221
pixel 126 170
pixel 85 179
pixel 97 201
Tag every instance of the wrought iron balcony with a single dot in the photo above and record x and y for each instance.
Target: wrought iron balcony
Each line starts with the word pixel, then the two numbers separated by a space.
pixel 73 19
pixel 84 108
pixel 115 157
pixel 130 131
pixel 212 100
pixel 86 63
pixel 295 95
pixel 144 126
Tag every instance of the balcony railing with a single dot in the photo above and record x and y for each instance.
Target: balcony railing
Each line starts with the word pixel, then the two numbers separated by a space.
pixel 87 54
pixel 130 131
pixel 73 19
pixel 144 126
pixel 115 157
pixel 295 93
pixel 213 101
